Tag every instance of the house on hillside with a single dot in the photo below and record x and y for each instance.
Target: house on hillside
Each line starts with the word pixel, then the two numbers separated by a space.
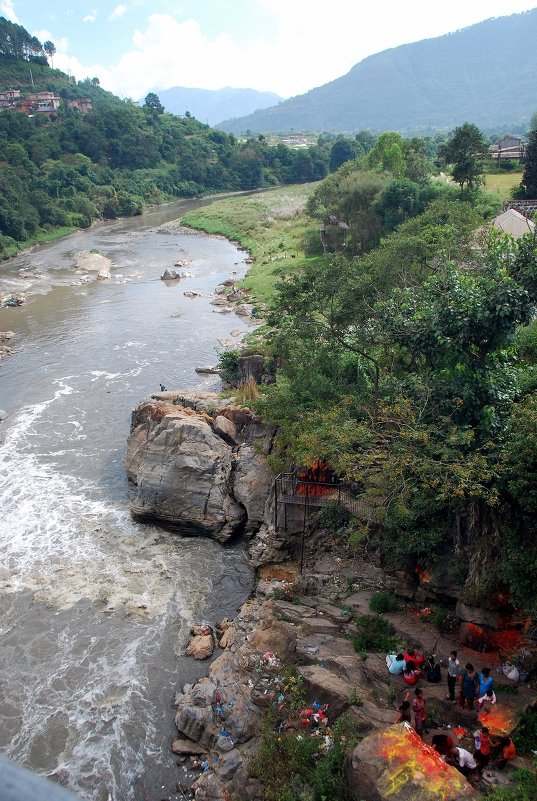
pixel 41 103
pixel 513 222
pixel 83 104
pixel 508 148
pixel 9 97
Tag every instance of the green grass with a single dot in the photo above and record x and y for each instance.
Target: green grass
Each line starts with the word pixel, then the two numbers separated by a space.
pixel 39 238
pixel 502 183
pixel 270 225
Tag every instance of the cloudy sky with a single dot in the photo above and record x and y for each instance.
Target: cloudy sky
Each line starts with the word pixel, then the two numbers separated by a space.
pixel 282 46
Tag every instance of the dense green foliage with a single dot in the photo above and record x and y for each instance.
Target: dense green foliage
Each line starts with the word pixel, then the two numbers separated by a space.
pixel 410 369
pixel 375 635
pixel 383 601
pixel 434 84
pixel 528 186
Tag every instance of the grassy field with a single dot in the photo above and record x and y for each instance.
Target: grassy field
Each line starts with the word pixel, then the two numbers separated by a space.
pixel 270 225
pixel 502 183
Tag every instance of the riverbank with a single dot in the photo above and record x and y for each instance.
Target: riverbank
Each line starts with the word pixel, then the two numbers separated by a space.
pixel 270 225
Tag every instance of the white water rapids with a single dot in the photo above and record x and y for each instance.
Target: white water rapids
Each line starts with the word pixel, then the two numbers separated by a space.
pixel 94 609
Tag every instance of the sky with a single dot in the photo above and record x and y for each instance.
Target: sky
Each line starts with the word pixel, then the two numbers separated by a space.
pixel 281 46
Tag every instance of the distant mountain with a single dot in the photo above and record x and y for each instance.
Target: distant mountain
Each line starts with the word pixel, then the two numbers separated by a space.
pixel 486 74
pixel 210 106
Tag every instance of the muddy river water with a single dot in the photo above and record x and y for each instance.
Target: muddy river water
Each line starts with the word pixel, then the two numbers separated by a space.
pixel 95 609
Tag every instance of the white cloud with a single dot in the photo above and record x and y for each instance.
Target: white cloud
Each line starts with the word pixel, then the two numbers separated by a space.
pixel 91 17
pixel 304 51
pixel 7 10
pixel 117 12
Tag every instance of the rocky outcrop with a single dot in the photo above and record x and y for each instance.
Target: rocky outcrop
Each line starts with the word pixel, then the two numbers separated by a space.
pixel 198 465
pixel 396 763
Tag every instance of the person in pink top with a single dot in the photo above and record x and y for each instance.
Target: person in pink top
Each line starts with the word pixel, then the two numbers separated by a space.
pixel 419 705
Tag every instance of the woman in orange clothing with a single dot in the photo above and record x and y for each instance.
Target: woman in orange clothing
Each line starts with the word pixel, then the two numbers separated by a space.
pixel 507 752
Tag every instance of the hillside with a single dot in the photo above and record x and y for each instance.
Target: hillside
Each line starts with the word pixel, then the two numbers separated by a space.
pixel 211 106
pixel 484 73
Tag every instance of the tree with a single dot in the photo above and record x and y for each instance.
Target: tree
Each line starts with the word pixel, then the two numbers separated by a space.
pixel 152 102
pixel 342 150
pixel 466 151
pixel 50 49
pixel 528 185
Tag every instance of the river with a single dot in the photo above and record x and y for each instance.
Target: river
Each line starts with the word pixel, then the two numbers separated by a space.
pixel 94 608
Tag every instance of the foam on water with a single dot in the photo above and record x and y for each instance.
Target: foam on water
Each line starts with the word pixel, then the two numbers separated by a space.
pixel 105 557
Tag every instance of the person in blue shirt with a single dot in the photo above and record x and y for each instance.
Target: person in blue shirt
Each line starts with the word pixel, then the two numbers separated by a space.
pixel 486 682
pixel 397 664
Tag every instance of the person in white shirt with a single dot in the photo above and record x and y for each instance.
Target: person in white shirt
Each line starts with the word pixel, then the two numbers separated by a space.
pixel 452 675
pixel 484 703
pixel 463 760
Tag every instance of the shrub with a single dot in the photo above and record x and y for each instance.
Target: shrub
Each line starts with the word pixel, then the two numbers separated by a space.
pixel 375 634
pixel 335 516
pixel 525 734
pixel 524 788
pixel 228 362
pixel 383 601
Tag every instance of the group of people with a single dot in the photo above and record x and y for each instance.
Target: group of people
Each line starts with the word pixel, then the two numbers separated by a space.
pixel 475 691
pixel 493 750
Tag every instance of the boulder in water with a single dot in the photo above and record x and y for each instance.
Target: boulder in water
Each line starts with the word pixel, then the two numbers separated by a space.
pixel 169 275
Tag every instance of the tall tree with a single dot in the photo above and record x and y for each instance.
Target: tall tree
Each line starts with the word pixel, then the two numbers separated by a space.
pixel 528 185
pixel 50 49
pixel 466 150
pixel 152 102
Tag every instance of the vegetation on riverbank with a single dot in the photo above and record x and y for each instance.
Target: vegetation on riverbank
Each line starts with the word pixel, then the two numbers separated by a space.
pixel 271 226
pixel 405 360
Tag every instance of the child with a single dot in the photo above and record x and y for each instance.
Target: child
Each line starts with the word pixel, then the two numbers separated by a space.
pixel 452 675
pixel 482 744
pixel 403 712
pixel 419 705
pixel 484 703
pixel 411 674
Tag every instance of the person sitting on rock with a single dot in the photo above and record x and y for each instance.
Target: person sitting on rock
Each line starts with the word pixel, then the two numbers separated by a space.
pixel 396 664
pixel 414 656
pixel 411 674
pixel 432 670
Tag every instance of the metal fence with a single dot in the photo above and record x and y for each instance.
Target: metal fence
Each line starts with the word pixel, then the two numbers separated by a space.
pixel 291 489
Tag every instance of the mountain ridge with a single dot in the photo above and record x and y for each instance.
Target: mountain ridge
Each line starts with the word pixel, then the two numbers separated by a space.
pixel 208 105
pixel 485 72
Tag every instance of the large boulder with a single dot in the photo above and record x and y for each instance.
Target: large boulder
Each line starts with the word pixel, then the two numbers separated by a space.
pixel 252 483
pixel 396 764
pixel 183 472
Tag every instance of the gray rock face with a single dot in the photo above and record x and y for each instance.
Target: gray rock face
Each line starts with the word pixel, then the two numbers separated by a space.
pixel 197 471
pixel 252 483
pixel 183 471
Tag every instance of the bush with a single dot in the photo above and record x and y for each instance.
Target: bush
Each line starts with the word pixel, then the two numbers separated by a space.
pixel 228 363
pixel 375 634
pixel 524 789
pixel 335 516
pixel 383 601
pixel 525 734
